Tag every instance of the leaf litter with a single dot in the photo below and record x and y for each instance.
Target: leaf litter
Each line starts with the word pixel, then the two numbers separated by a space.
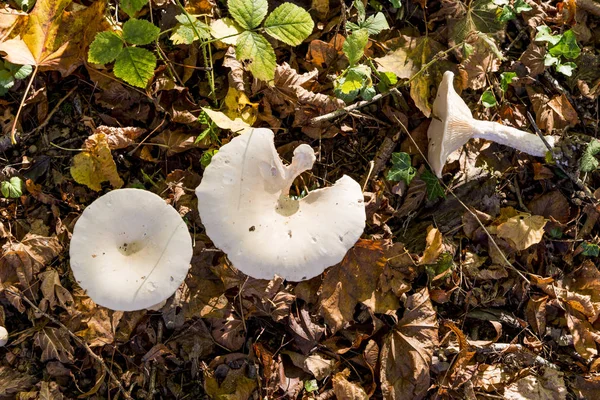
pixel 495 295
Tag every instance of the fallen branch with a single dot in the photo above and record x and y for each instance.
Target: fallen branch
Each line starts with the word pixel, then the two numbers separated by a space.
pixel 516 348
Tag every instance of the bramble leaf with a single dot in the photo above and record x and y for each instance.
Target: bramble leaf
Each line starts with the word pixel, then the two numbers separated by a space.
pixel 189 30
pixel 402 169
pixel 140 32
pixel 248 14
pixel 252 46
pixel 135 66
pixel 289 23
pixel 105 48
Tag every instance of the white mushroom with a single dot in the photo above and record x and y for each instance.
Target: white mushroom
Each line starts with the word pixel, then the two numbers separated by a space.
pixel 245 207
pixel 453 125
pixel 130 250
pixel 3 336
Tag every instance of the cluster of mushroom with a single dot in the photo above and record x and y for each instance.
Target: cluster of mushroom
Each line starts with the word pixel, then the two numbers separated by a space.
pixel 130 250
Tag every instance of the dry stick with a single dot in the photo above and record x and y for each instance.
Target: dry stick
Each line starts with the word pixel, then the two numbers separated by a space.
pixel 348 109
pixel 13 139
pixel 489 235
pixel 588 193
pixel 51 114
pixel 152 386
pixel 508 347
pixel 76 339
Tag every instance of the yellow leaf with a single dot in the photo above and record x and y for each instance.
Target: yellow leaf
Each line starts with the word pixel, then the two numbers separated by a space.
pixel 433 248
pixel 238 105
pixel 522 231
pixel 224 122
pixel 54 35
pixel 95 165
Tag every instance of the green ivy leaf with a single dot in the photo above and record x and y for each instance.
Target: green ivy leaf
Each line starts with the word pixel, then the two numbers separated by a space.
pixel 588 162
pixel 18 71
pixel 140 32
pixel 488 99
pixel 507 14
pixel 135 66
pixel 13 188
pixel 402 169
pixel 188 29
pixel 105 48
pixel 289 23
pixel 131 7
pixel 434 188
pixel 550 60
pixel 248 13
pixel 566 68
pixel 506 79
pixel 590 249
pixel 545 35
pixel 566 47
pixel 522 6
pixel 207 156
pixel 6 81
pixel 354 46
pixel 252 46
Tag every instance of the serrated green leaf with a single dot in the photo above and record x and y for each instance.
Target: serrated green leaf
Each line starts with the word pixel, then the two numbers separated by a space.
pixel 189 30
pixel 105 48
pixel 402 169
pixel 226 30
pixel 140 32
pixel 13 188
pixel 506 79
pixel 545 35
pixel 590 249
pixel 434 188
pixel 488 99
pixel 131 7
pixel 566 68
pixel 361 12
pixel 522 6
pixel 18 71
pixel 289 23
pixel 368 92
pixel 566 47
pixel 354 46
pixel 375 24
pixel 350 85
pixel 135 66
pixel 252 46
pixel 248 13
pixel 588 162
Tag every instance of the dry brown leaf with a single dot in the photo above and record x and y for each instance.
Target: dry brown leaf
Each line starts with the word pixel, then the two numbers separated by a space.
pixel 234 385
pixel 55 345
pixel 95 164
pixel 493 378
pixel 550 114
pixel 433 247
pixel 229 332
pixel 533 58
pixel 54 293
pixel 522 231
pixel 552 204
pixel 347 390
pixel 355 280
pixel 120 138
pixel 482 62
pixel 407 351
pixel 176 141
pixel 12 381
pixel 549 386
pixel 536 313
pixel 182 184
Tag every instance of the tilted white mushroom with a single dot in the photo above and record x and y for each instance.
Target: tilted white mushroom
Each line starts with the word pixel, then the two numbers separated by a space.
pixel 453 125
pixel 130 250
pixel 244 205
pixel 3 336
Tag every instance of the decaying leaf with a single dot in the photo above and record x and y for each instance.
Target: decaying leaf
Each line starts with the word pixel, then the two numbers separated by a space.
pixel 95 164
pixel 407 351
pixel 355 280
pixel 345 389
pixel 522 230
pixel 552 113
pixel 550 385
pixel 120 138
pixel 55 344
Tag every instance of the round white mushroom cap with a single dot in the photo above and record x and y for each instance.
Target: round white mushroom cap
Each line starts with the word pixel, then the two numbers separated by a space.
pixel 130 250
pixel 3 336
pixel 244 205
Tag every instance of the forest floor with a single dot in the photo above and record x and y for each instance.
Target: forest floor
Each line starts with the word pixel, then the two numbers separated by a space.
pixel 481 285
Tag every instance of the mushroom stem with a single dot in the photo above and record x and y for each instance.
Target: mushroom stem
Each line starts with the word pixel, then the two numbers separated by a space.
pixel 512 137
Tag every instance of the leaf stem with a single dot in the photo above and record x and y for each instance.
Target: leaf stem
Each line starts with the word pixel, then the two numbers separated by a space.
pixel 13 138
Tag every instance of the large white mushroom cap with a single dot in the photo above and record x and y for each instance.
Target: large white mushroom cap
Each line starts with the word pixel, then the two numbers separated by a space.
pixel 244 205
pixel 3 336
pixel 130 250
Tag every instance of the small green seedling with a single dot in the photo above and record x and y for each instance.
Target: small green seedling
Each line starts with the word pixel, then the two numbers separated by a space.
pixel 12 188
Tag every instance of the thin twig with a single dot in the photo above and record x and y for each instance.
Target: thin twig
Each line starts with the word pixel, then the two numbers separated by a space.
pixel 76 339
pixel 152 386
pixel 13 130
pixel 513 348
pixel 51 114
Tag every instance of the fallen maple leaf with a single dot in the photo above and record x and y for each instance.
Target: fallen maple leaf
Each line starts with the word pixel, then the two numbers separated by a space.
pixel 407 351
